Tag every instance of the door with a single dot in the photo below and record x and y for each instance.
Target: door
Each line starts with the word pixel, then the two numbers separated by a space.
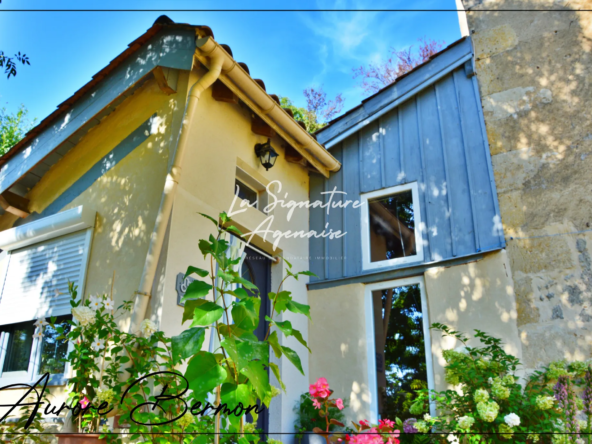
pixel 257 269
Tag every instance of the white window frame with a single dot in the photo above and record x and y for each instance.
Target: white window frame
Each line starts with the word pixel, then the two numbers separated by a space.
pixel 60 224
pixel 367 264
pixel 254 185
pixel 371 344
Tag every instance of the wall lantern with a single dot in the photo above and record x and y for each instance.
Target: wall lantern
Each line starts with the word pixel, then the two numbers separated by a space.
pixel 266 154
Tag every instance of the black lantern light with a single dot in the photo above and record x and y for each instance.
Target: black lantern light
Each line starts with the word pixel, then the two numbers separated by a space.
pixel 266 154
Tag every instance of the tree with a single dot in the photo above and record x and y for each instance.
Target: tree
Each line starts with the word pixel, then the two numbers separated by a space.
pixel 13 128
pixel 318 109
pixel 375 77
pixel 9 63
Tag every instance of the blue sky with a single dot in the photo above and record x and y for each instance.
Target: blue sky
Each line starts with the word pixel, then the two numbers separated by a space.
pixel 290 51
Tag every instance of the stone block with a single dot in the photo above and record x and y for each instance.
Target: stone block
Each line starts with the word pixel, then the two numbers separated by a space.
pixel 540 254
pixel 493 41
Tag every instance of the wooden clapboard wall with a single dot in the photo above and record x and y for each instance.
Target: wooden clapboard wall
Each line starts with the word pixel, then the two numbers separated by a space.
pixel 435 138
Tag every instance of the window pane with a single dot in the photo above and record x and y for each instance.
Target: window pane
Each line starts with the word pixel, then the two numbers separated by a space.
pixel 400 349
pixel 392 227
pixel 18 351
pixel 54 351
pixel 244 192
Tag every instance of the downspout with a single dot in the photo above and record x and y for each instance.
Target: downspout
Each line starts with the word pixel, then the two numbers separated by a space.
pixel 142 296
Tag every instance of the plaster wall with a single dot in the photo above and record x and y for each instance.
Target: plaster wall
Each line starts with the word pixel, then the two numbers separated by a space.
pixel 221 139
pixel 533 71
pixel 126 197
pixel 475 295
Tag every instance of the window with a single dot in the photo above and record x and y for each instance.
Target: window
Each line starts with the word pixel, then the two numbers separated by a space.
pixel 18 343
pixel 250 189
pixel 38 261
pixel 246 193
pixel 390 227
pixel 400 359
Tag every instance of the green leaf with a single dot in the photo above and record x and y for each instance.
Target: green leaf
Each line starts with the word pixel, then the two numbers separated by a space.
pixel 276 371
pixel 232 395
pixel 199 271
pixel 206 313
pixel 287 263
pixel 259 378
pixel 243 440
pixel 187 343
pixel 196 290
pixel 245 313
pixel 300 339
pixel 296 307
pixel 250 350
pixel 275 345
pixel 226 277
pixel 285 326
pixel 247 284
pixel 307 273
pixel 224 217
pixel 188 310
pixel 282 299
pixel 204 373
pixel 293 357
pixel 240 293
pixel 234 230
pixel 205 247
pixel 214 221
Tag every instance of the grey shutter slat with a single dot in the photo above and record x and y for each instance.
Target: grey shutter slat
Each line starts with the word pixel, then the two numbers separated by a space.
pixel 36 273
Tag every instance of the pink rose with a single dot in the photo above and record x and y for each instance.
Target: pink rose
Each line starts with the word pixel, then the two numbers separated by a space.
pixel 339 404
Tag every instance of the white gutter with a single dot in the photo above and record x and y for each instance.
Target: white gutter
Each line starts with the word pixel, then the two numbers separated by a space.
pixel 217 63
pixel 397 102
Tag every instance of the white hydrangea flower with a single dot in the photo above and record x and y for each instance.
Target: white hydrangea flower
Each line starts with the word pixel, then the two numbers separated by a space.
pixel 96 302
pixel 108 304
pixel 545 402
pixel 481 395
pixel 488 410
pixel 98 344
pixel 512 419
pixel 84 315
pixel 421 427
pixel 453 439
pixel 147 327
pixel 465 422
pixel 427 417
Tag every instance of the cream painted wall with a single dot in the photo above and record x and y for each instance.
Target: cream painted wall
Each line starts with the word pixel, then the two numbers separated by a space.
pixel 220 140
pixel 476 295
pixel 126 197
pixel 339 345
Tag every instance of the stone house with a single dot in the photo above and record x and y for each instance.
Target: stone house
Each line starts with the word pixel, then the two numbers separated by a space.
pixel 533 71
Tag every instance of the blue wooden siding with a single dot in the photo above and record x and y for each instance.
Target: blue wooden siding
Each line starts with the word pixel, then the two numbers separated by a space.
pixel 435 138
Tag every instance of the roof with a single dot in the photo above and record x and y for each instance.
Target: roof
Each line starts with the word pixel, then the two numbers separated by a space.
pixel 370 102
pixel 39 161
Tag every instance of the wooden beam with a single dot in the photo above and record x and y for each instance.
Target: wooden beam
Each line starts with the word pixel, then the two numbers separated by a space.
pixel 162 81
pixel 14 204
pixel 221 93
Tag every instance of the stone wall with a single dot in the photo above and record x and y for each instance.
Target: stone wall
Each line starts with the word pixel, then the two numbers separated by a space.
pixel 534 71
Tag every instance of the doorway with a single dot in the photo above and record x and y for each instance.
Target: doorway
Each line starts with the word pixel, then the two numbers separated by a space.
pixel 256 268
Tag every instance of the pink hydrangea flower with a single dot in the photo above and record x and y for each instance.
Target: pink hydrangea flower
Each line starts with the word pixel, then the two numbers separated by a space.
pixel 339 403
pixel 320 389
pixel 316 403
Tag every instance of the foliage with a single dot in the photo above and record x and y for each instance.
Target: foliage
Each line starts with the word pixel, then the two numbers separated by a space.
pixel 318 109
pixel 374 77
pixel 9 63
pixel 315 409
pixel 13 127
pixel 489 401
pixel 238 370
pixel 404 352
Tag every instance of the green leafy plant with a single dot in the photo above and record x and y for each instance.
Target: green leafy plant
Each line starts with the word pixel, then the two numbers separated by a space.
pixel 237 371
